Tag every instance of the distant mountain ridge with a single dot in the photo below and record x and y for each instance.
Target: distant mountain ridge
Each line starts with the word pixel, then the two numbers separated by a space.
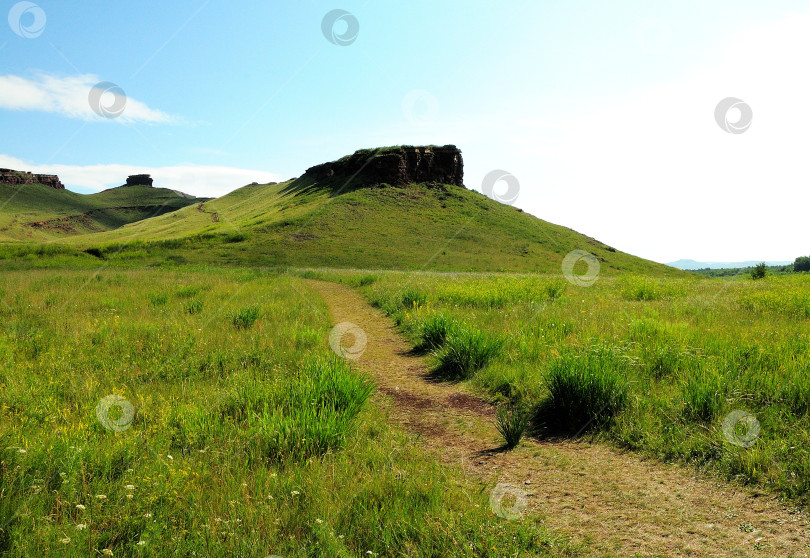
pixel 689 265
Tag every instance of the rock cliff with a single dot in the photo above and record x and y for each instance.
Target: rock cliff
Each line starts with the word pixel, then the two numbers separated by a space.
pixel 395 166
pixel 139 180
pixel 14 178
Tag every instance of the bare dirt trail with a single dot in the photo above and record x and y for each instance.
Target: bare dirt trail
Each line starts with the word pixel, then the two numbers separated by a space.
pixel 616 502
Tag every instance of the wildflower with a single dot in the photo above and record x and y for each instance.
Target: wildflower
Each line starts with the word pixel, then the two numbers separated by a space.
pixel 101 496
pixel 66 540
pixel 141 543
pixel 80 507
pixel 170 457
pixel 147 515
pixel 130 487
pixel 319 521
pixel 295 493
pixel 107 552
pixel 81 526
pixel 21 451
pixel 129 496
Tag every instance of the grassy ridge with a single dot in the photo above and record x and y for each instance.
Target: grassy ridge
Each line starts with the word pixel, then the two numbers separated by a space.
pixel 34 212
pixel 676 369
pixel 246 435
pixel 303 223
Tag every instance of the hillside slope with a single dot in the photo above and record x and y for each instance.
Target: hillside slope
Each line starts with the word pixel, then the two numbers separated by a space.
pixel 332 217
pixel 39 213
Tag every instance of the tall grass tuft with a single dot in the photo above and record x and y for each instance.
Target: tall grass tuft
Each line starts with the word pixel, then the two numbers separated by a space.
pixel 244 318
pixel 193 306
pixel 703 396
pixel 585 391
pixel 434 331
pixel 512 421
pixel 412 298
pixel 466 351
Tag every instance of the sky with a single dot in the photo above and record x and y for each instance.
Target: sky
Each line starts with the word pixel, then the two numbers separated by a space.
pixel 605 114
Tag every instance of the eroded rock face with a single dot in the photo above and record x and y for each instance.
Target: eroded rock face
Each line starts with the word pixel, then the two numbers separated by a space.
pixel 14 178
pixel 139 180
pixel 396 166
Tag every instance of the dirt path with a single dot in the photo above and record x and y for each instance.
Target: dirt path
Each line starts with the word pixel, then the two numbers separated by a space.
pixel 617 503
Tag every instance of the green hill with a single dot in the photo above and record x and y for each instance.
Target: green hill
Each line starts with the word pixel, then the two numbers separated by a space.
pixel 38 213
pixel 329 219
pixel 375 209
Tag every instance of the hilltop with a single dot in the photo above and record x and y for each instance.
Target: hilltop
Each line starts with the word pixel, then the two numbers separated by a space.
pixel 402 207
pixel 38 208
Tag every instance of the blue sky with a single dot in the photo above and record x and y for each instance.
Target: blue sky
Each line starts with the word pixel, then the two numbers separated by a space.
pixel 602 111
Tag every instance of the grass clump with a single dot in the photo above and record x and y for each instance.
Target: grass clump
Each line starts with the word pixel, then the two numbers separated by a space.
pixel 193 306
pixel 512 421
pixel 434 331
pixel 466 351
pixel 244 318
pixel 412 298
pixel 585 391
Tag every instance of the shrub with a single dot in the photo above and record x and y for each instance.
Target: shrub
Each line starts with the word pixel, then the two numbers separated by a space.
pixel 759 271
pixel 245 317
pixel 466 351
pixel 586 391
pixel 512 421
pixel 802 263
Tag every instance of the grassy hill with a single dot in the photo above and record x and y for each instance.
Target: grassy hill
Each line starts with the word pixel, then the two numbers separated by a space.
pixel 37 213
pixel 325 219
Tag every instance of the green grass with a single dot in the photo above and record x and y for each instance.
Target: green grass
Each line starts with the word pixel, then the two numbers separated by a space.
pixel 465 351
pixel 244 318
pixel 647 363
pixel 512 421
pixel 585 390
pixel 250 442
pixel 307 224
pixel 37 213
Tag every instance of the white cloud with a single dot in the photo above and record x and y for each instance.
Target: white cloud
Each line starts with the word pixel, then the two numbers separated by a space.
pixel 70 96
pixel 199 180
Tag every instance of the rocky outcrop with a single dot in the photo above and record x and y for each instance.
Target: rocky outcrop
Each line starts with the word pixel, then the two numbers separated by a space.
pixel 14 178
pixel 395 166
pixel 139 180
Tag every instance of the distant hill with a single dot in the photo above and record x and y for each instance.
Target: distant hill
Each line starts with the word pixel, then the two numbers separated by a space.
pixel 36 212
pixel 693 265
pixel 396 208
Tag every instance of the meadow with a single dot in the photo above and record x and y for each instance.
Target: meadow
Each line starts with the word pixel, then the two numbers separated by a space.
pixel 710 372
pixel 201 412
